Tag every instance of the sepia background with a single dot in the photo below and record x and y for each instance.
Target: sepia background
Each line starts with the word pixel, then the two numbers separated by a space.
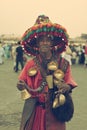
pixel 16 16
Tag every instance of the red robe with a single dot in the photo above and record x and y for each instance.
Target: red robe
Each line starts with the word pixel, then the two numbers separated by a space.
pixel 43 118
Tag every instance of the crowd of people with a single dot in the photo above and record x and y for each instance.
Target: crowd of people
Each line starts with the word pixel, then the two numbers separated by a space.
pixel 13 52
pixel 75 54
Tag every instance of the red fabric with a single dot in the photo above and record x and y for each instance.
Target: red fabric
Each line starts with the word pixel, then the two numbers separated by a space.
pixel 69 79
pixel 43 120
pixel 39 121
pixel 86 49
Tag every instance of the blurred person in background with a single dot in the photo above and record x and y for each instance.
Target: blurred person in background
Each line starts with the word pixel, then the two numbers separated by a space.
pixel 1 54
pixel 7 51
pixel 19 57
pixel 67 55
pixel 74 57
pixel 85 63
pixel 81 59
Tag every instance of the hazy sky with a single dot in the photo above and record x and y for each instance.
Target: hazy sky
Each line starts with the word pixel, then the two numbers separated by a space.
pixel 16 16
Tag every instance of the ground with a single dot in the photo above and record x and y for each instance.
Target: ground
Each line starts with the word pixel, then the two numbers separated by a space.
pixel 11 104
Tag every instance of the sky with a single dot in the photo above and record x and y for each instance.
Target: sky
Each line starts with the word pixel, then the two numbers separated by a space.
pixel 16 16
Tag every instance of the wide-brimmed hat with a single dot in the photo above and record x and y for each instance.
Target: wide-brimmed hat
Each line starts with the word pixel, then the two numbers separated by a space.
pixel 43 26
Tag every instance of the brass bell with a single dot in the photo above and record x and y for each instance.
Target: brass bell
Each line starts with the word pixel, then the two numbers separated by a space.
pixel 32 71
pixel 49 79
pixel 56 81
pixel 62 99
pixel 52 65
pixel 55 103
pixel 59 74
pixel 25 94
pixel 59 101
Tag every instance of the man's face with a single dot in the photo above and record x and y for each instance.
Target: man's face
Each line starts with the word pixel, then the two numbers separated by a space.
pixel 45 45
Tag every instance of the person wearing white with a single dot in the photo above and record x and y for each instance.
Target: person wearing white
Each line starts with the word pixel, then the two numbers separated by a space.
pixel 67 55
pixel 1 54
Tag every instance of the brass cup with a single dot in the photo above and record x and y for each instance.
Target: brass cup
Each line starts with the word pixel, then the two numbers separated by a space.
pixel 49 79
pixel 59 101
pixel 55 103
pixel 62 99
pixel 25 94
pixel 58 74
pixel 52 66
pixel 32 71
pixel 56 81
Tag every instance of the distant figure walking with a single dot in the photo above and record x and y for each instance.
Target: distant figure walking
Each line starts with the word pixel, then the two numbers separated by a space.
pixel 67 54
pixel 19 57
pixel 85 55
pixel 1 54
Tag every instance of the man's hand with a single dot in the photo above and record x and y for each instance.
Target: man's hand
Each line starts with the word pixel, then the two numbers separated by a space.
pixel 21 85
pixel 63 88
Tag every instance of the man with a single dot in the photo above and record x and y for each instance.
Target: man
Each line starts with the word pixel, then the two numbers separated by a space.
pixel 46 79
pixel 85 64
pixel 1 54
pixel 19 57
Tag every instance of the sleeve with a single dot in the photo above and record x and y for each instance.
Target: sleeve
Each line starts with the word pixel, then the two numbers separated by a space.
pixel 32 81
pixel 69 79
pixel 23 74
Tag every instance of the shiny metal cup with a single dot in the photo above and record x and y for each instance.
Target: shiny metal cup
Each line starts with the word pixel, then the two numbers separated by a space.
pixel 58 101
pixel 49 79
pixel 25 94
pixel 52 66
